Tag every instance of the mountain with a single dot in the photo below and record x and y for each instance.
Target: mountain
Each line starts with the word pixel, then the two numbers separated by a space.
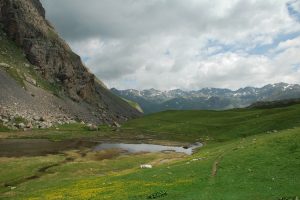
pixel 274 104
pixel 41 77
pixel 208 98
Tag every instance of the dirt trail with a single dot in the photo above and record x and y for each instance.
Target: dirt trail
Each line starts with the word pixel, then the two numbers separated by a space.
pixel 215 166
pixel 216 163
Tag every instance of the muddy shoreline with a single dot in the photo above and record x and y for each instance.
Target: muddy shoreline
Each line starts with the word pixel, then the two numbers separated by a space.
pixel 39 147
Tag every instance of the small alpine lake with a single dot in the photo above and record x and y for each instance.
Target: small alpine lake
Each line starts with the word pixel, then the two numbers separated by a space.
pixel 136 148
pixel 40 147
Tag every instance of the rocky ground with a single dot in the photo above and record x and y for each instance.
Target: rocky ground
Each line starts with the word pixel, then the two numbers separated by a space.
pixel 34 107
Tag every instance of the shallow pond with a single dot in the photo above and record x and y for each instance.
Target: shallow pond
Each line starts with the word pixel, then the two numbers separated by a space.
pixel 136 148
pixel 40 147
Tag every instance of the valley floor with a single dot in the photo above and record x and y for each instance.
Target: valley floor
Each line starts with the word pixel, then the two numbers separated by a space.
pixel 260 163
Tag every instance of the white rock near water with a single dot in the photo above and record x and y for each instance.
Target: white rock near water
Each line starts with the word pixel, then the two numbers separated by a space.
pixel 146 166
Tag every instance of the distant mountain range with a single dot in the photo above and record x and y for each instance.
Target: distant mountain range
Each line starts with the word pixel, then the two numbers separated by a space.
pixel 152 100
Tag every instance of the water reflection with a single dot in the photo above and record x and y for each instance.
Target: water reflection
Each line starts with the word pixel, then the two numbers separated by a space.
pixel 135 148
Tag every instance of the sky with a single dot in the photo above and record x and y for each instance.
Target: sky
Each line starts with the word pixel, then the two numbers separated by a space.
pixel 185 44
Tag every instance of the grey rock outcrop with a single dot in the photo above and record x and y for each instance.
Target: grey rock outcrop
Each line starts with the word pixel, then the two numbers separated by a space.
pixel 24 22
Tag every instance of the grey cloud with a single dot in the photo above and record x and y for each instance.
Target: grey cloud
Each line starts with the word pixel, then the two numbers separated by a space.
pixel 128 39
pixel 77 19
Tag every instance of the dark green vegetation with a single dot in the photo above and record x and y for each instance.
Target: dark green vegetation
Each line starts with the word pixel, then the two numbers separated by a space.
pixel 2 128
pixel 249 154
pixel 275 104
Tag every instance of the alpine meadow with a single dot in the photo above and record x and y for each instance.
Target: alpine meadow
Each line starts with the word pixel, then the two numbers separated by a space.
pixel 162 99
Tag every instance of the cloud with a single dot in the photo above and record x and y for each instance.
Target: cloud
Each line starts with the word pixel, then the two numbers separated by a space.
pixel 294 9
pixel 188 44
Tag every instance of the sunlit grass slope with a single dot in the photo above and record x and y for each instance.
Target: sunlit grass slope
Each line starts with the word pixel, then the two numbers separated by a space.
pixel 216 125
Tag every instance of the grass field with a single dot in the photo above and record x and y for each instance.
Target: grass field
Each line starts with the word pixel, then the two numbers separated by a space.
pixel 215 126
pixel 249 154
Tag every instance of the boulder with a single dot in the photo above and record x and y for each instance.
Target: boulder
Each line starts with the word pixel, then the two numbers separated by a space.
pixel 5 65
pixel 21 126
pixel 116 124
pixel 92 127
pixel 5 120
pixel 36 118
pixel 42 119
pixel 31 80
pixel 29 125
pixel 71 121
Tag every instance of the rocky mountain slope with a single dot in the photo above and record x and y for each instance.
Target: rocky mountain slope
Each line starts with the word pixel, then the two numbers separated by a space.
pixel 40 76
pixel 208 98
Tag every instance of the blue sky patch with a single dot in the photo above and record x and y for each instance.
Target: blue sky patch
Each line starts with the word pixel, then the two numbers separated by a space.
pixel 293 9
pixel 221 48
pixel 264 49
pixel 296 67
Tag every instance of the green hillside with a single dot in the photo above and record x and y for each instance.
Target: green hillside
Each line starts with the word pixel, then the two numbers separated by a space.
pixel 216 125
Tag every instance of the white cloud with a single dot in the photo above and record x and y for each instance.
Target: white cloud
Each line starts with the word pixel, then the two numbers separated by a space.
pixel 180 44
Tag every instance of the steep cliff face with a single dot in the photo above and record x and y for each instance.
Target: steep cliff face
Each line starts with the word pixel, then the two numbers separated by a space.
pixel 24 22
